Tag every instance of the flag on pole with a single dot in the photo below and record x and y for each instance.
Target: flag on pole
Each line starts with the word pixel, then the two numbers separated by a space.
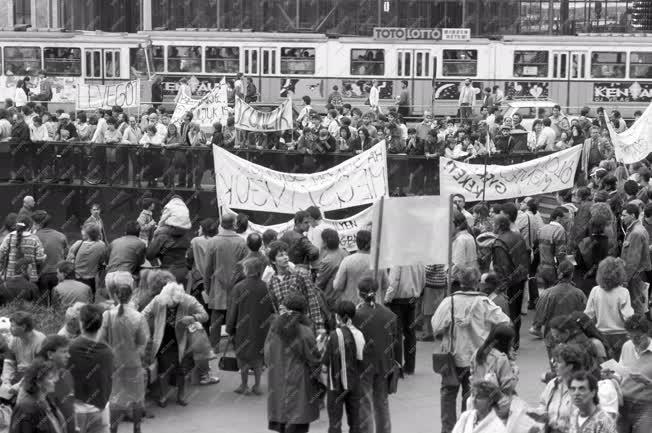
pixel 410 230
pixel 635 143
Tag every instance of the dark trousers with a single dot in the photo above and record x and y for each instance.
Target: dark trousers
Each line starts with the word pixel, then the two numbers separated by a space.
pixel 218 318
pixel 466 111
pixel 515 296
pixel 46 283
pixel 448 399
pixel 533 285
pixel 339 401
pixel 374 405
pixel 90 282
pixel 638 418
pixel 406 314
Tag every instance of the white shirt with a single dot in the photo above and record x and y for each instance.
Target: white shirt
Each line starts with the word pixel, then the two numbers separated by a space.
pixel 374 96
pixel 39 134
pixel 314 235
pixel 98 135
pixel 629 355
pixel 20 97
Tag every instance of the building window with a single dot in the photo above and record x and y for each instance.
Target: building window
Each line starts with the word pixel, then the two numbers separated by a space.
pixel 608 64
pixel 530 63
pixel 460 63
pixel 298 61
pixel 184 59
pixel 367 62
pixel 20 60
pixel 22 12
pixel 640 65
pixel 62 61
pixel 222 60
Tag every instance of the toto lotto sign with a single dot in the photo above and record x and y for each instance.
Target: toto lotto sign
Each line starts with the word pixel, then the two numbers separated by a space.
pixel 403 33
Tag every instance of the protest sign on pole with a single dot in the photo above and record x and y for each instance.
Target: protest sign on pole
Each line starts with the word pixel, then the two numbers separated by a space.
pixel 346 227
pixel 96 96
pixel 410 230
pixel 205 111
pixel 475 182
pixel 359 180
pixel 249 118
pixel 635 143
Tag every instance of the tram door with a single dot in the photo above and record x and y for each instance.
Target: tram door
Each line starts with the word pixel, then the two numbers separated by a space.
pixel 102 63
pixel 260 63
pixel 569 73
pixel 417 68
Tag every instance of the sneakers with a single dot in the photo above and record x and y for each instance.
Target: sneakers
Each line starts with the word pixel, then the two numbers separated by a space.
pixel 535 332
pixel 209 380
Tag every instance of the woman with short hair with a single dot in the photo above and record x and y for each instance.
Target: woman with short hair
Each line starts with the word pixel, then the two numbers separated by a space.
pixel 88 255
pixel 483 418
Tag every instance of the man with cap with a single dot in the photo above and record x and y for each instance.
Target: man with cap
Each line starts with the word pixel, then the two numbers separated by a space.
pixel 55 246
pixel 504 141
pixel 403 100
pixel 64 123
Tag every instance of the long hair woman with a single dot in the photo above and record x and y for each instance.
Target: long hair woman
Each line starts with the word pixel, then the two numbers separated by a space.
pixel 21 244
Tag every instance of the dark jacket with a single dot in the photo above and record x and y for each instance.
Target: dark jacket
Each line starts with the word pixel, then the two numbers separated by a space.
pixel 126 254
pixel 91 367
pixel 31 416
pixel 238 271
pixel 301 251
pixel 333 361
pixel 510 257
pixel 248 319
pixel 20 132
pixel 18 288
pixel 169 245
pixel 580 228
pixel 379 326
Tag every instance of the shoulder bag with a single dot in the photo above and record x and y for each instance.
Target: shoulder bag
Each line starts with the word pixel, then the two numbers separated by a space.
pixel 228 363
pixel 444 363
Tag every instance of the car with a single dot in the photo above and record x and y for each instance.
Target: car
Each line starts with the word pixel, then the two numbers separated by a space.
pixel 529 110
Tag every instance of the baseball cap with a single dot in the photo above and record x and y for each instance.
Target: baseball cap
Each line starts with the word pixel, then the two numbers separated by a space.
pixel 65 116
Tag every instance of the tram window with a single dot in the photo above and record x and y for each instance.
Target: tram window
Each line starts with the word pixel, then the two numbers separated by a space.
pixel 367 62
pixel 138 61
pixel 184 59
pixel 530 63
pixel 298 61
pixel 111 63
pixel 223 59
pixel 158 58
pixel 460 63
pixel 18 60
pixel 62 61
pixel 608 64
pixel 640 65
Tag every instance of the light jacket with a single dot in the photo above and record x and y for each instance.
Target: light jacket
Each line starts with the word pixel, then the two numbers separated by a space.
pixel 489 424
pixel 636 252
pixel 406 282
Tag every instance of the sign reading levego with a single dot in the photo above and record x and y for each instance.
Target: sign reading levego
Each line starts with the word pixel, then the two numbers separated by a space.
pixel 403 33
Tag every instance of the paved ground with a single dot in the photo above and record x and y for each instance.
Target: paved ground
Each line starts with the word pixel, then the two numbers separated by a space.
pixel 415 409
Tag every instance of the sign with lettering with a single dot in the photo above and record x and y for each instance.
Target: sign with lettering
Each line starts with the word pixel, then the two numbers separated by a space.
pixel 404 33
pixel 346 228
pixel 205 111
pixel 199 86
pixel 359 180
pixel 64 89
pixel 615 91
pixel 549 173
pixel 635 143
pixel 95 96
pixel 250 119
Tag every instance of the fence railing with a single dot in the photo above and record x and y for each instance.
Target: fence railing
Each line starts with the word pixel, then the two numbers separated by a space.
pixel 192 168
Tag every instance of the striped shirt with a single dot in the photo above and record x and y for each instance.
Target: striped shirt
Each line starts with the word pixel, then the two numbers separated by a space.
pixel 31 249
pixel 436 276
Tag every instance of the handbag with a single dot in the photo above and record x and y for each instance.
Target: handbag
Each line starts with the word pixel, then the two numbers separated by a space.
pixel 393 377
pixel 444 363
pixel 228 363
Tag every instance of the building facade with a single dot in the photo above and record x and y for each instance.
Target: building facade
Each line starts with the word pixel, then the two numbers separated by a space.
pixel 350 17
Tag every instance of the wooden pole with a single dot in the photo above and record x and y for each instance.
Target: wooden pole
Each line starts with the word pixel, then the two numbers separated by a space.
pixel 377 233
pixel 451 229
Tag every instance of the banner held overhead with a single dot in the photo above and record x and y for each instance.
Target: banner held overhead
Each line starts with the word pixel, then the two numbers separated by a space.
pixel 249 118
pixel 96 96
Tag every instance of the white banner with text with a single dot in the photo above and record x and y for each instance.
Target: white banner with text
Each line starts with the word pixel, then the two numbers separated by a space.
pixel 635 143
pixel 249 118
pixel 476 182
pixel 205 111
pixel 96 96
pixel 359 180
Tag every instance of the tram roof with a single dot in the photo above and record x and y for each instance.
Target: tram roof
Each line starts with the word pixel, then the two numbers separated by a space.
pixel 56 35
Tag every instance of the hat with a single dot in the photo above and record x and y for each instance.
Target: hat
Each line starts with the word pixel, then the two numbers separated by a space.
pixel 65 116
pixel 152 116
pixel 595 170
pixel 505 126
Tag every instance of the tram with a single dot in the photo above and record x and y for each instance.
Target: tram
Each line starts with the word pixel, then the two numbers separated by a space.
pixel 613 71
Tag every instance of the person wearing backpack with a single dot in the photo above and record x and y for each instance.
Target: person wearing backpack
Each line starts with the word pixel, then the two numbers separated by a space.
pixel 335 98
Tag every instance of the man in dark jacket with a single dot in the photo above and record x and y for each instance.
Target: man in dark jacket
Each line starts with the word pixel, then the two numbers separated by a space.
pixel 301 251
pixel 169 245
pixel 56 349
pixel 21 149
pixel 254 243
pixel 511 263
pixel 55 246
pixel 91 367
pixel 379 327
pixel 127 253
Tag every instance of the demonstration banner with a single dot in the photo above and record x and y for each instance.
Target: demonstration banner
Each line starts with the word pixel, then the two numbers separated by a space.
pixel 205 111
pixel 250 119
pixel 346 228
pixel 359 180
pixel 475 182
pixel 96 96
pixel 635 143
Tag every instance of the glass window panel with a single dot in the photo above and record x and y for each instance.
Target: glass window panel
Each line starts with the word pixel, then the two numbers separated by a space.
pixel 184 59
pixel 367 62
pixel 62 61
pixel 608 64
pixel 223 59
pixel 530 63
pixel 138 61
pixel 158 58
pixel 21 60
pixel 460 63
pixel 640 65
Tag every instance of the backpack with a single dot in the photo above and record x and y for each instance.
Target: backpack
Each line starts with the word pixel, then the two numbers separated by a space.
pixel 336 100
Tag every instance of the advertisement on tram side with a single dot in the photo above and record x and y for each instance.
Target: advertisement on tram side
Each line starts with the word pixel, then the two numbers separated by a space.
pixel 615 91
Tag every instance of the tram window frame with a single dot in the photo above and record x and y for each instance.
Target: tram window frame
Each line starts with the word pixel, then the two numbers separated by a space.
pixel 158 61
pixel 618 66
pixel 378 69
pixel 528 64
pixel 647 57
pixel 448 62
pixel 225 62
pixel 197 67
pixel 138 61
pixel 23 68
pixel 288 63
pixel 59 59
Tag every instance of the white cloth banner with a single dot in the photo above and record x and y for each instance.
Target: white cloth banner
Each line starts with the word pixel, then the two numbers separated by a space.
pixel 346 228
pixel 250 119
pixel 410 230
pixel 635 143
pixel 95 96
pixel 359 180
pixel 205 111
pixel 549 173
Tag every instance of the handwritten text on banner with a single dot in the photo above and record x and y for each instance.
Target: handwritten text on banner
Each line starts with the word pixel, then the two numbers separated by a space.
pixel 205 111
pixel 251 119
pixel 635 143
pixel 94 96
pixel 549 173
pixel 241 184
